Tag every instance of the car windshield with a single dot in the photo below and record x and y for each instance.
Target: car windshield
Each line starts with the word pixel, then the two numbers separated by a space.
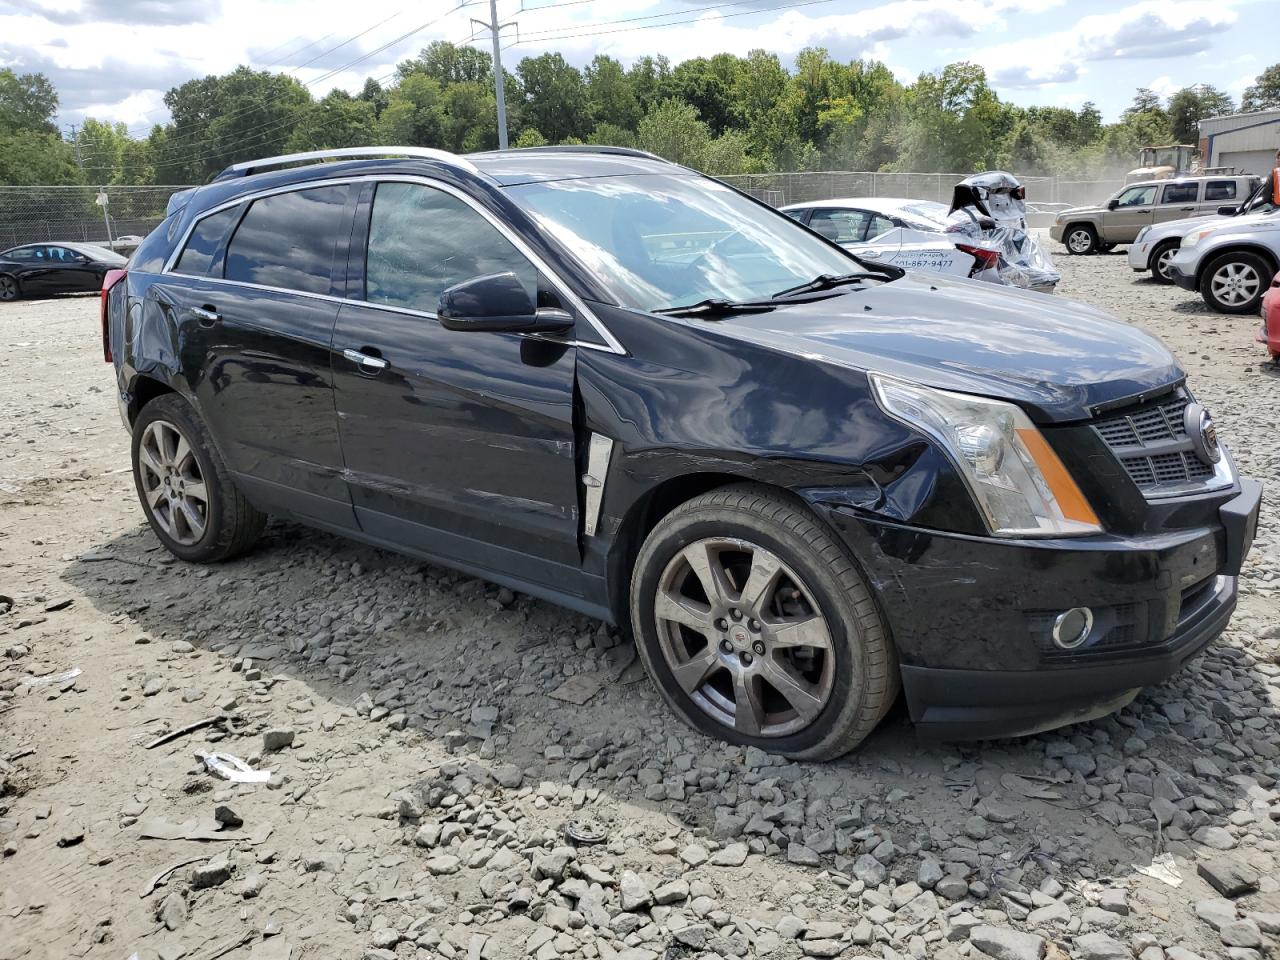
pixel 657 241
pixel 96 253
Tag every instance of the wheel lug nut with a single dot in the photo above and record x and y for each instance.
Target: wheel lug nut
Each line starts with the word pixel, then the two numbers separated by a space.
pixel 736 614
pixel 758 647
pixel 746 659
pixel 726 646
pixel 722 624
pixel 753 624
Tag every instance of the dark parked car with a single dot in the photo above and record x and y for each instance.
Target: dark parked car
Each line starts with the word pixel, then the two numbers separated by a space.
pixel 799 480
pixel 38 269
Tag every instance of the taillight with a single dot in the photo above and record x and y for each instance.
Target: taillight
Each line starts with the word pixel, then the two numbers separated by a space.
pixel 110 280
pixel 983 257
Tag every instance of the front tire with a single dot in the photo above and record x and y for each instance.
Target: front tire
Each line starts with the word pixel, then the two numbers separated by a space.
pixel 193 506
pixel 1235 282
pixel 8 288
pixel 1080 239
pixel 757 628
pixel 1160 258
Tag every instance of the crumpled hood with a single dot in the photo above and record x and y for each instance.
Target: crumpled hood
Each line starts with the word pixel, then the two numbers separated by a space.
pixel 1056 358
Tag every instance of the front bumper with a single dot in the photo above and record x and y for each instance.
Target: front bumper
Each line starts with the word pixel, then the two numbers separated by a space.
pixel 1055 232
pixel 1140 256
pixel 970 615
pixel 1187 281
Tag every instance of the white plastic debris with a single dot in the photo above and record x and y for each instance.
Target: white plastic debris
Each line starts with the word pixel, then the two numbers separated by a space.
pixel 49 679
pixel 1163 868
pixel 990 208
pixel 231 768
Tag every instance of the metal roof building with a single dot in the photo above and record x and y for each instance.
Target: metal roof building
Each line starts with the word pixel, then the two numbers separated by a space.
pixel 1246 141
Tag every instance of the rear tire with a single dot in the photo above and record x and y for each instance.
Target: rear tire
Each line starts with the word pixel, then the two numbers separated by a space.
pixel 1080 239
pixel 193 506
pixel 1235 282
pixel 1160 258
pixel 786 651
pixel 8 288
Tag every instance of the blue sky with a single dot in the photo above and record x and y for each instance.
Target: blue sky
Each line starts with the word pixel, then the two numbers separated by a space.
pixel 114 59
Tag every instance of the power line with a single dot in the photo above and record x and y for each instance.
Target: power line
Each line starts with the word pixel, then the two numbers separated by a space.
pixel 569 33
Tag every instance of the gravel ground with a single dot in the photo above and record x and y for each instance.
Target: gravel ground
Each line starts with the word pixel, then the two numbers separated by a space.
pixel 435 792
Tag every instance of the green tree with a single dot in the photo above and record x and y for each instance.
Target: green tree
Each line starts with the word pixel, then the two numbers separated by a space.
pixel 1190 105
pixel 610 97
pixel 727 154
pixel 1264 93
pixel 953 121
pixel 30 157
pixel 27 102
pixel 448 63
pixel 554 97
pixel 649 77
pixel 612 135
pixel 414 115
pixel 373 93
pixel 707 86
pixel 672 129
pixel 470 117
pixel 100 149
pixel 338 120
pixel 529 137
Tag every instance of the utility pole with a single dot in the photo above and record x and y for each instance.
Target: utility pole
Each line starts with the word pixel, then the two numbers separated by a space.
pixel 75 140
pixel 495 28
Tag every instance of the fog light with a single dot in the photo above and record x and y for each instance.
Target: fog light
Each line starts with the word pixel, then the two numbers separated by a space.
pixel 1072 627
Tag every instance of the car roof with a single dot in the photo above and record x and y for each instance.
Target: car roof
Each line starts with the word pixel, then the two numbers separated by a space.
pixel 541 164
pixel 78 245
pixel 875 204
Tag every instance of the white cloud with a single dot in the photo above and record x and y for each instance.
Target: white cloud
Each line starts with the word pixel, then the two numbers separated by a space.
pixel 1151 29
pixel 1164 86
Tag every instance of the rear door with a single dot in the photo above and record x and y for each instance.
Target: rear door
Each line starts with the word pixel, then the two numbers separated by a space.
pixel 457 444
pixel 252 299
pixel 1178 199
pixel 1222 193
pixel 1135 209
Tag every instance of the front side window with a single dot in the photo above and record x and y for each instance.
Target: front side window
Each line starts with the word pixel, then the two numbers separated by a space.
pixel 423 241
pixel 656 241
pixel 287 240
pixel 1220 190
pixel 842 226
pixel 1180 193
pixel 205 240
pixel 1138 197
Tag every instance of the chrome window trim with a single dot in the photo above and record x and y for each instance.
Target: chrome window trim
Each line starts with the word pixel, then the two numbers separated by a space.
pixel 611 343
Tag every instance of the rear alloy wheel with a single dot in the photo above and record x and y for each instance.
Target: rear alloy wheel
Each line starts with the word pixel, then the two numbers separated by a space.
pixel 193 506
pixel 1235 283
pixel 8 288
pixel 1160 258
pixel 756 626
pixel 1081 239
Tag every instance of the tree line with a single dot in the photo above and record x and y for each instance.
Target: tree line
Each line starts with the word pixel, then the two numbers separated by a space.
pixel 723 114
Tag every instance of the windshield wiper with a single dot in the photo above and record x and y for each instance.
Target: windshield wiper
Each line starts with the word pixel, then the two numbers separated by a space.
pixel 717 307
pixel 827 281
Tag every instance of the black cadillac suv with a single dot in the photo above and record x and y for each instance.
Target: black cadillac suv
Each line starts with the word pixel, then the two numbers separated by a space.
pixel 800 481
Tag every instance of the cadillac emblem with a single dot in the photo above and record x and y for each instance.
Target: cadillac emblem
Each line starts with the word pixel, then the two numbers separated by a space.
pixel 1202 433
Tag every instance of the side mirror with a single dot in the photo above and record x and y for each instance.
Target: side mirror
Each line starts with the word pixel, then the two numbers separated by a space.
pixel 1113 203
pixel 497 302
pixel 1228 211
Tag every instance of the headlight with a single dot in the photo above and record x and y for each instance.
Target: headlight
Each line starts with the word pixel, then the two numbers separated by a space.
pixel 1017 480
pixel 1195 236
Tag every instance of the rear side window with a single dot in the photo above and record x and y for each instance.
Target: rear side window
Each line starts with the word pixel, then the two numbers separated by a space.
pixel 153 252
pixel 1220 190
pixel 288 240
pixel 204 243
pixel 1180 193
pixel 423 241
pixel 842 226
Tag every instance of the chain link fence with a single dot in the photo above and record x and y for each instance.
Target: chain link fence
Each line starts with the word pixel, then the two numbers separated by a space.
pixel 71 214
pixel 779 189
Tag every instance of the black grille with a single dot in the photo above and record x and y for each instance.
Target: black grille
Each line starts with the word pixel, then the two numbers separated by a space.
pixel 1151 443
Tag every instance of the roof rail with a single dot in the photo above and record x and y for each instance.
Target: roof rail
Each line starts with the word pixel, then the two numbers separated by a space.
pixel 250 167
pixel 585 148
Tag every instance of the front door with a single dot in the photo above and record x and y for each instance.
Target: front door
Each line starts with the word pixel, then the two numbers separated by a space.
pixel 255 316
pixel 1135 209
pixel 457 444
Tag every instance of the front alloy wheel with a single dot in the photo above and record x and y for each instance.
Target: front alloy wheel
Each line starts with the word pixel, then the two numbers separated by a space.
pixel 1235 283
pixel 757 627
pixel 8 288
pixel 1160 260
pixel 744 638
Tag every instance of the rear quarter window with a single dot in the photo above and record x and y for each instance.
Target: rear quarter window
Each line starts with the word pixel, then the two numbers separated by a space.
pixel 1220 190
pixel 288 240
pixel 205 242
pixel 155 247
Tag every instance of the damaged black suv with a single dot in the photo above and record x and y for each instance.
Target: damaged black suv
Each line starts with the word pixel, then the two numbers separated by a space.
pixel 799 480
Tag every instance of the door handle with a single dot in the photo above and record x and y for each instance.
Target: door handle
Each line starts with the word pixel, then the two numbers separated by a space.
pixel 1186 209
pixel 867 254
pixel 366 363
pixel 206 314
